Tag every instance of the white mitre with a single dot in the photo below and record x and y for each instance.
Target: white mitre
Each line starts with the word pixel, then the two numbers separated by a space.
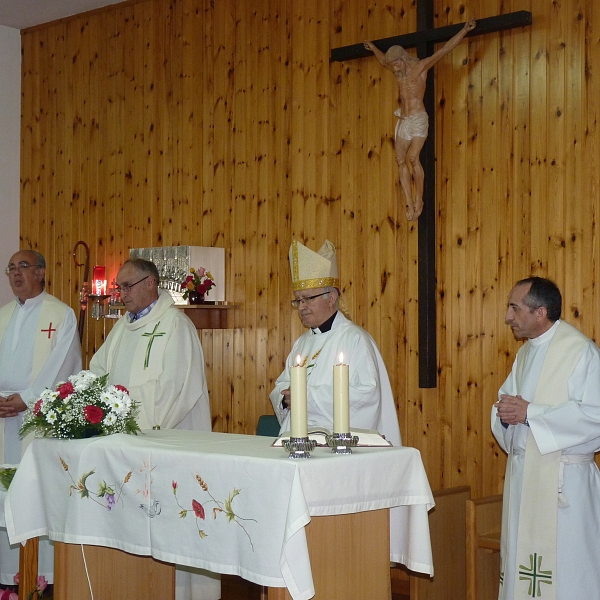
pixel 313 269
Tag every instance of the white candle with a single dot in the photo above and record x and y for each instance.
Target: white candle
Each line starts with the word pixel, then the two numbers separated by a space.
pixel 341 397
pixel 298 400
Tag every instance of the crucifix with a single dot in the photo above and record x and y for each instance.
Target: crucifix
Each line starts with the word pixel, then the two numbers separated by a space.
pixel 424 40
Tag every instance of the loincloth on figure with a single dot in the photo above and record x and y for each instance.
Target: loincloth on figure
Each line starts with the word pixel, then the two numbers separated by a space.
pixel 411 126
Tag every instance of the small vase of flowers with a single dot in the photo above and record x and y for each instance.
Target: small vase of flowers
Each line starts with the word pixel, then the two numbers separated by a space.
pixel 197 285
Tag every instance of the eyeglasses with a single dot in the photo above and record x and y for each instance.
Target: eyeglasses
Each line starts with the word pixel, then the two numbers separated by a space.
pixel 296 303
pixel 127 287
pixel 19 267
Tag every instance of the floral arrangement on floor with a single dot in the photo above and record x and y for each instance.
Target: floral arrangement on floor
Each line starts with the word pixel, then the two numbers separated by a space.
pixel 8 594
pixel 200 281
pixel 41 585
pixel 82 407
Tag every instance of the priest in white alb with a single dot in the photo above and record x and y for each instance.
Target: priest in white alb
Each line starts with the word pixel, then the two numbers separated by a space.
pixel 317 293
pixel 547 419
pixel 39 347
pixel 155 352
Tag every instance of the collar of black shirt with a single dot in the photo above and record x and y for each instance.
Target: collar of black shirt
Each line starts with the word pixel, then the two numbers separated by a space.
pixel 325 327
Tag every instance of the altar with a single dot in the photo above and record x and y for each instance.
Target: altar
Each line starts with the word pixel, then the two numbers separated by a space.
pixel 223 502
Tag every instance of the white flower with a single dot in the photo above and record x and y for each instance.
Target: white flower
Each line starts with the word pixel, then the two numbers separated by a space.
pixel 119 401
pixel 47 398
pixel 82 380
pixel 106 397
pixel 48 395
pixel 51 416
pixel 110 419
pixel 118 408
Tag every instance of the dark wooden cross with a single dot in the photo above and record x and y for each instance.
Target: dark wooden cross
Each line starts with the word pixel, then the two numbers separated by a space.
pixel 424 40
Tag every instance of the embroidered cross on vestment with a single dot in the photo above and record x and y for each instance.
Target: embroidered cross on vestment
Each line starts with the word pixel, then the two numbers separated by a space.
pixel 49 330
pixel 151 334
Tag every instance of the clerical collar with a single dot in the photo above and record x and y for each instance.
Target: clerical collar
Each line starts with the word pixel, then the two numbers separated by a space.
pixel 135 317
pixel 325 327
pixel 546 336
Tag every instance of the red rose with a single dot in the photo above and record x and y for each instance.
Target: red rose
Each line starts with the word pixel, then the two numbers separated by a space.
pixel 122 388
pixel 37 409
pixel 93 414
pixel 205 286
pixel 65 390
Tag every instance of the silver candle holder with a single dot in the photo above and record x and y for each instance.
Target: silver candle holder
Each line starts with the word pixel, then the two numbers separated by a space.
pixel 299 447
pixel 341 443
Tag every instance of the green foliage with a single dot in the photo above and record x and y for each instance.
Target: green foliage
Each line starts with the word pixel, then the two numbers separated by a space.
pixel 6 476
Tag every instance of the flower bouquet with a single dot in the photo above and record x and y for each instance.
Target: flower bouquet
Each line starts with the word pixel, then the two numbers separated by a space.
pixel 200 282
pixel 82 407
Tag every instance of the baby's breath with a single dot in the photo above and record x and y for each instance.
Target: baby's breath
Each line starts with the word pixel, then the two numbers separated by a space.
pixel 82 407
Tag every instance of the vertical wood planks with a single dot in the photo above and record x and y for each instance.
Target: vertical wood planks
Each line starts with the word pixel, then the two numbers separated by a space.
pixel 222 123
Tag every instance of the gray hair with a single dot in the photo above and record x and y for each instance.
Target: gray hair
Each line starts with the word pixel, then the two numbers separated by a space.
pixel 40 263
pixel 330 289
pixel 543 292
pixel 145 267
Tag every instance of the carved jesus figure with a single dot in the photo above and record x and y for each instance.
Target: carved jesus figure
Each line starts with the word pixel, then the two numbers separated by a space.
pixel 413 121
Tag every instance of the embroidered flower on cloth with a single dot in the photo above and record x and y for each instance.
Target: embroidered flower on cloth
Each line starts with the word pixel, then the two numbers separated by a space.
pixel 81 407
pixel 219 507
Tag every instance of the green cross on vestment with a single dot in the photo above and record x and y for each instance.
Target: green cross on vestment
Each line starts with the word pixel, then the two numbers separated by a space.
pixel 534 575
pixel 152 334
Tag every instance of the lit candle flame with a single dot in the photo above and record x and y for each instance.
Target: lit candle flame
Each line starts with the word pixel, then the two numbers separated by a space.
pixel 341 358
pixel 298 360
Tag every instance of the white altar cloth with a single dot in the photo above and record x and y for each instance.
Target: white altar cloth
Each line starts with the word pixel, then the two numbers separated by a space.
pixel 223 502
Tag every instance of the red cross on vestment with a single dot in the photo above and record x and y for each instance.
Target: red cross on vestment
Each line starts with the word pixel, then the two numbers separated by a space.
pixel 49 330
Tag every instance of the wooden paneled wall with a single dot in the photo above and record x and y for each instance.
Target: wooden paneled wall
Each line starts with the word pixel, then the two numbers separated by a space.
pixel 223 123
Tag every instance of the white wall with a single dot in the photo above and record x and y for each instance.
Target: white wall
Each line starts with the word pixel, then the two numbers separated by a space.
pixel 10 120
